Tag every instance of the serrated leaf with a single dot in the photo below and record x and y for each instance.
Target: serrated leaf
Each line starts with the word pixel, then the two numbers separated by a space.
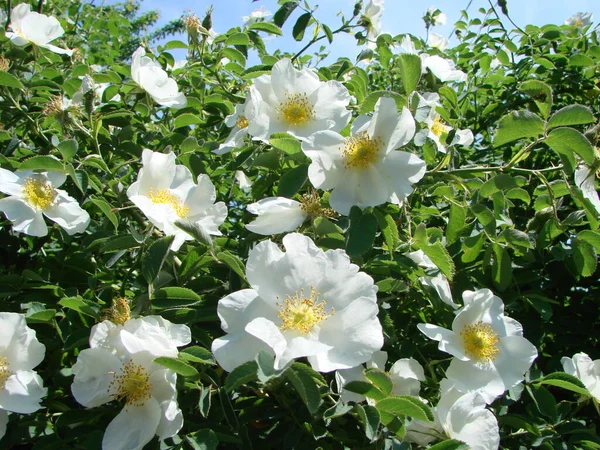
pixel 501 268
pixel 410 71
pixel 568 141
pixel 456 223
pixel 203 440
pixel 405 406
pixel 238 39
pixel 241 375
pixel 571 115
pixel 441 258
pixel 541 94
pixel 368 104
pixel 106 210
pixel 584 257
pixel 300 26
pixel 289 145
pixel 154 258
pixel 171 297
pixel 233 262
pixel 6 79
pixel 388 227
pixel 79 305
pixel 364 388
pixel 196 231
pixel 177 365
pixel 68 149
pixel 42 163
pixel 267 27
pixel 380 380
pixel 282 14
pixel 197 354
pixel 370 418
pixel 518 125
pixel 565 381
pixel 450 444
pixel 306 387
pixel 591 237
pixel 186 119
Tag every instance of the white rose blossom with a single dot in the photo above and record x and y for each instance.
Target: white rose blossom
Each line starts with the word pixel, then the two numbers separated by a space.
pixel 438 41
pixel 406 375
pixel 372 17
pixel 295 102
pixel 239 130
pixel 151 77
pixel 580 19
pixel 444 69
pixel 365 169
pixel 256 16
pixel 439 18
pixel 490 353
pixel 31 27
pixel 438 282
pixel 459 416
pixel 21 388
pixel 588 371
pixel 436 130
pixel 243 181
pixel 31 196
pixel 585 180
pixel 119 366
pixel 166 193
pixel 302 303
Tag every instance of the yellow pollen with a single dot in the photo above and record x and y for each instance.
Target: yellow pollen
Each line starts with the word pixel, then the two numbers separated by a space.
pixel 4 372
pixel 192 22
pixel 131 385
pixel 302 314
pixel 120 311
pixel 164 196
pixel 578 23
pixel 4 64
pixel 297 110
pixel 360 150
pixel 438 127
pixel 38 192
pixel 241 122
pixel 481 342
pixel 311 205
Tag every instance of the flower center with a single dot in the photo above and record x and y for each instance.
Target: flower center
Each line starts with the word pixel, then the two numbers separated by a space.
pixel 241 122
pixel 297 110
pixel 481 342
pixel 132 385
pixel 360 150
pixel 4 372
pixel 38 192
pixel 165 197
pixel 302 314
pixel 438 127
pixel 120 312
pixel 311 205
pixel 578 23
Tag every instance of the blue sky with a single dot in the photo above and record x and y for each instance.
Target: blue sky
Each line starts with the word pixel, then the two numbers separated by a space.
pixel 400 16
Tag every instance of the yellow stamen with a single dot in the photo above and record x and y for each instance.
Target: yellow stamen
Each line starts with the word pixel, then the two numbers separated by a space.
pixel 438 127
pixel 480 341
pixel 4 372
pixel 360 150
pixel 311 205
pixel 38 192
pixel 241 122
pixel 4 64
pixel 302 314
pixel 297 110
pixel 164 196
pixel 120 311
pixel 131 385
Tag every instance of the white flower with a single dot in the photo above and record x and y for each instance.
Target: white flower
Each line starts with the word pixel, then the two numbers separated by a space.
pixel 580 19
pixel 154 80
pixel 585 180
pixel 426 103
pixel 87 85
pixel 302 303
pixel 439 19
pixel 406 375
pixel 365 169
pixel 21 388
pixel 438 41
pixel 119 365
pixel 421 259
pixel 35 195
pixel 31 27
pixel 441 286
pixel 588 371
pixel 372 17
pixel 256 16
pixel 179 64
pixel 243 181
pixel 437 131
pixel 408 46
pixel 443 69
pixel 239 124
pixel 295 102
pixel 276 215
pixel 490 353
pixel 166 193
pixel 458 416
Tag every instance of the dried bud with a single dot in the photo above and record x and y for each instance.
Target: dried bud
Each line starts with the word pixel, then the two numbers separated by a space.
pixel 4 64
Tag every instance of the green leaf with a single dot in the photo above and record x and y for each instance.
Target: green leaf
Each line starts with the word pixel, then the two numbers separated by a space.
pixel 234 55
pixel 501 268
pixel 174 44
pixel 197 354
pixel 500 182
pixel 368 104
pixel 456 223
pixel 282 14
pixel 42 163
pixel 171 297
pixel 106 209
pixel 121 242
pixel 441 258
pixel 68 149
pixel 203 440
pixel 328 33
pixel 584 257
pixel 185 119
pixel 591 237
pixel 154 258
pixel 300 26
pixel 389 229
pixel 43 316
pixel 287 144
pixel 238 39
pixel 380 380
pixel 410 71
pixel 516 238
pixel 571 115
pixel 405 406
pixel 267 27
pixel 517 125
pixel 543 399
pixel 541 94
pixel 177 365
pixel 241 375
pixel 196 231
pixel 6 79
pixel 79 305
pixel 306 387
pixel 361 234
pixel 370 417
pixel 189 144
pixel 233 262
pixel 450 444
pixel 564 381
pixel 568 141
pixel 266 366
pixel 292 181
pixel 364 388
